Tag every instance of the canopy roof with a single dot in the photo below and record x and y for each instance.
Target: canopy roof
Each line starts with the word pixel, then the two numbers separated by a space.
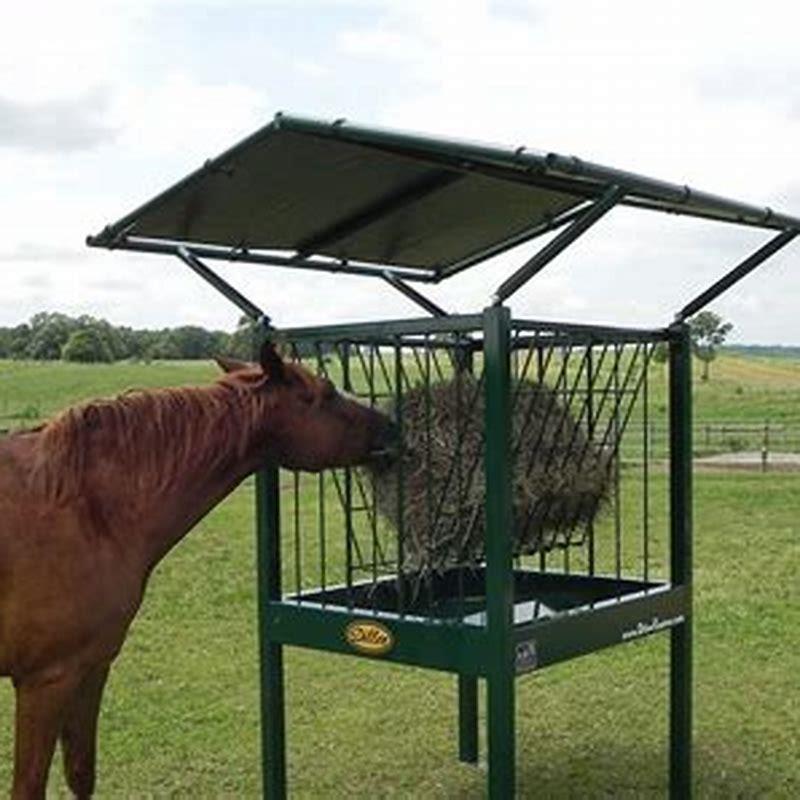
pixel 304 192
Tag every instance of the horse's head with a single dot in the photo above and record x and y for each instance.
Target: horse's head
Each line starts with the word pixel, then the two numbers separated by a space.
pixel 311 426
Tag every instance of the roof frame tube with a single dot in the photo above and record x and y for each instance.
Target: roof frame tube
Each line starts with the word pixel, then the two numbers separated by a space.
pixel 543 257
pixel 422 187
pixel 412 294
pixel 223 287
pixel 736 274
pixel 145 245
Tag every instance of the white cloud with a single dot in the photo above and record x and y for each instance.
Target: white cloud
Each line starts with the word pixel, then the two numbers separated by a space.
pixel 55 125
pixel 705 93
pixel 182 117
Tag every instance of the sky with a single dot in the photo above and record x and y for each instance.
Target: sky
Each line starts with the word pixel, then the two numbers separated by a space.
pixel 105 104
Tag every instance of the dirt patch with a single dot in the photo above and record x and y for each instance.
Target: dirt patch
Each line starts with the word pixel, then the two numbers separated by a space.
pixel 751 460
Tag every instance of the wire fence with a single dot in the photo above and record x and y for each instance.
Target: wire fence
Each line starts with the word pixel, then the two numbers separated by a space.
pixel 711 438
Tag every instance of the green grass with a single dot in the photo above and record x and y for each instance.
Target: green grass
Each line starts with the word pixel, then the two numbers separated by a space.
pixel 180 717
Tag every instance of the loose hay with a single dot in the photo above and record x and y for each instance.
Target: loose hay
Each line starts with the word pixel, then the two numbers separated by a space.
pixel 561 479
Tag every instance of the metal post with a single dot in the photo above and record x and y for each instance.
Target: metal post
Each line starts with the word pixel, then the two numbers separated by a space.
pixel 680 411
pixel 499 567
pixel 468 719
pixel 273 722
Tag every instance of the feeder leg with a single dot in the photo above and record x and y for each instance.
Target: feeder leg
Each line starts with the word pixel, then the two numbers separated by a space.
pixel 274 724
pixel 499 556
pixel 680 762
pixel 500 716
pixel 468 719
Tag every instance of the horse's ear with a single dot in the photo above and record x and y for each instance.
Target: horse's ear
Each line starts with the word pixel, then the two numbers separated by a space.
pixel 231 364
pixel 271 362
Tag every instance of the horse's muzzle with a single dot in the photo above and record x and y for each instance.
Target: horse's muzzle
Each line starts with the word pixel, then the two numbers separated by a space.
pixel 386 443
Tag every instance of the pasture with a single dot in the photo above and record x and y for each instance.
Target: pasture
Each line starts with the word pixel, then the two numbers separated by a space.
pixel 180 716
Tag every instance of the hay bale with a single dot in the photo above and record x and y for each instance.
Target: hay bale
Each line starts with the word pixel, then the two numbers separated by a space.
pixel 560 478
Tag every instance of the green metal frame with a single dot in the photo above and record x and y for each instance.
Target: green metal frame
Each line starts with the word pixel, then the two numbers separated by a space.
pixel 501 649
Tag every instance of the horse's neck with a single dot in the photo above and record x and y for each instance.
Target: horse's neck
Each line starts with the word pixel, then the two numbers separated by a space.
pixel 165 512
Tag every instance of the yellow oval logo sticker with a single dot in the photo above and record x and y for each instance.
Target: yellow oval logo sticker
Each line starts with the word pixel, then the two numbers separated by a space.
pixel 369 638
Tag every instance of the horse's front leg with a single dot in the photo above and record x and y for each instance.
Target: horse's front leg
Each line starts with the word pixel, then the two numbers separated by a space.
pixel 41 704
pixel 79 734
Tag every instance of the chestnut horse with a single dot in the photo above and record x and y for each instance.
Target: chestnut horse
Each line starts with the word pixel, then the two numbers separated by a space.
pixel 91 501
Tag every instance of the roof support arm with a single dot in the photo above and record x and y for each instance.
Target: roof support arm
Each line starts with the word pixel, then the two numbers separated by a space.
pixel 223 287
pixel 412 294
pixel 542 258
pixel 530 233
pixel 736 274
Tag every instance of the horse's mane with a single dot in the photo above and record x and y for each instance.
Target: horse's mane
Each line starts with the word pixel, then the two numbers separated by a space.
pixel 154 434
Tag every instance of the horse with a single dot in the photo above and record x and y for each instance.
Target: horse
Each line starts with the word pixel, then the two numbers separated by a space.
pixel 92 500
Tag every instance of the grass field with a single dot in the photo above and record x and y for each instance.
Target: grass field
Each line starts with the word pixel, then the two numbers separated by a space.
pixel 180 716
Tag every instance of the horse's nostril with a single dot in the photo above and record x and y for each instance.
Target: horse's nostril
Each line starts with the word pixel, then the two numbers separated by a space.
pixel 385 442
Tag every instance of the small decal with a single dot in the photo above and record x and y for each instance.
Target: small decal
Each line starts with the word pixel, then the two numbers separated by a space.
pixel 368 637
pixel 525 656
pixel 651 626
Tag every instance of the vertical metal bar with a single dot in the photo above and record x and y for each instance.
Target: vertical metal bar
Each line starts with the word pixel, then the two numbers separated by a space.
pixel 398 404
pixel 376 551
pixel 499 572
pixel 541 369
pixel 268 554
pixel 323 581
pixel 680 413
pixel 428 462
pixel 619 352
pixel 298 546
pixel 323 578
pixel 459 468
pixel 590 440
pixel 468 719
pixel 348 488
pixel 646 469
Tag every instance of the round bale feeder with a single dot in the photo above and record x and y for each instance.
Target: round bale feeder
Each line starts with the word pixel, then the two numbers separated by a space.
pixel 514 527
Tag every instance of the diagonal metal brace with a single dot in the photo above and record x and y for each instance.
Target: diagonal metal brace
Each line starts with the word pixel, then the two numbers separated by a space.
pixel 223 287
pixel 412 294
pixel 542 258
pixel 736 274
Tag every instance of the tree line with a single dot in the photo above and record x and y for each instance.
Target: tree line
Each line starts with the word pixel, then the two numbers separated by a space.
pixel 50 336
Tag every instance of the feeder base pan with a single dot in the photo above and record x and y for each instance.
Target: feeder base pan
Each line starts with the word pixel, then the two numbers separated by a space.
pixel 459 595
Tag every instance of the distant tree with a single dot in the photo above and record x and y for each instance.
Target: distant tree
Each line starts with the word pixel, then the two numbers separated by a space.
pixel 164 346
pixel 6 336
pixel 49 334
pixel 242 341
pixel 88 345
pixel 708 333
pixel 19 340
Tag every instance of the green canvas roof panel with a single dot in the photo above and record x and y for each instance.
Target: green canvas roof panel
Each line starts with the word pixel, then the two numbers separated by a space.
pixel 304 188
